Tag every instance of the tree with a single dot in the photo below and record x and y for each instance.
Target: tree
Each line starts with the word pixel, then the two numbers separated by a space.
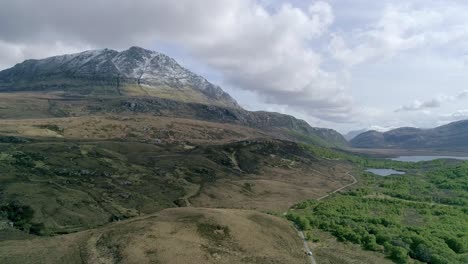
pixel 456 245
pixel 399 255
pixel 20 215
pixel 369 242
pixel 436 259
pixel 422 253
pixel 303 223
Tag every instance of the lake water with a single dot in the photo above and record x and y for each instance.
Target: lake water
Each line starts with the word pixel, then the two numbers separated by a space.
pixel 426 158
pixel 385 172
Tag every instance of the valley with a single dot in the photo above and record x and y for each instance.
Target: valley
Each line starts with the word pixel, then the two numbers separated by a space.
pixel 127 157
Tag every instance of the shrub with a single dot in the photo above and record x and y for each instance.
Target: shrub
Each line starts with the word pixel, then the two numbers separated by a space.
pixel 300 221
pixel 456 245
pixel 422 253
pixel 369 242
pixel 397 254
pixel 20 215
pixel 436 259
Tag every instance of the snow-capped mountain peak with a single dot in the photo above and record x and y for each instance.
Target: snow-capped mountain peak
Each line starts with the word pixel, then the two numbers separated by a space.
pixel 135 65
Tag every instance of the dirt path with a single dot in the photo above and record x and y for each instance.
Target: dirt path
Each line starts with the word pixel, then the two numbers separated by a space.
pixel 190 193
pixel 301 234
pixel 341 188
pixel 306 246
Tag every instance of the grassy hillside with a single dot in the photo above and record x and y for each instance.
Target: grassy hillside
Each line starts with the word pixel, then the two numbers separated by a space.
pixel 185 235
pixel 141 128
pixel 52 105
pixel 71 185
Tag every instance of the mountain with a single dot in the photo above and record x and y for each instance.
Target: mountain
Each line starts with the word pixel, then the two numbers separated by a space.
pixel 135 71
pixel 138 81
pixel 450 136
pixel 352 134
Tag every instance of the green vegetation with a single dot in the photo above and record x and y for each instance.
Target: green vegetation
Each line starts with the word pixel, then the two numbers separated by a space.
pixel 73 185
pixel 421 215
pixel 60 187
pixel 21 217
pixel 312 139
pixel 362 161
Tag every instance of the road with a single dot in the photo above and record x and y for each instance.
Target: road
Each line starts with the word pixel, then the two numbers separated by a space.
pixel 306 246
pixel 301 234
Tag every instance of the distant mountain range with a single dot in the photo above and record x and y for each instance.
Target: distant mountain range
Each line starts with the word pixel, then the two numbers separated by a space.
pixel 450 136
pixel 144 81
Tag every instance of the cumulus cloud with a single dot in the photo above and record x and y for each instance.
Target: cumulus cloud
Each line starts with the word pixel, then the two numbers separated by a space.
pixel 266 50
pixel 457 115
pixel 462 95
pixel 297 57
pixel 12 53
pixel 418 105
pixel 465 60
pixel 400 28
pixel 432 103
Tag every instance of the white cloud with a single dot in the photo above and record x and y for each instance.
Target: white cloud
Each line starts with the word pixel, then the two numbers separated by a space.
pixel 402 27
pixel 418 105
pixel 268 51
pixel 462 95
pixel 457 115
pixel 12 53
pixel 465 60
pixel 432 103
pixel 299 58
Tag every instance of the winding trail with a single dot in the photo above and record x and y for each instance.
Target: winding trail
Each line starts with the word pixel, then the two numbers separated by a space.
pixel 341 188
pixel 301 234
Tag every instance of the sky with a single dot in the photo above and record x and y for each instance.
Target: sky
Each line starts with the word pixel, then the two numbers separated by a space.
pixel 342 64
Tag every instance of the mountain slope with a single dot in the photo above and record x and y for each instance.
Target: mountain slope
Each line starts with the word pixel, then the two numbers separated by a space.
pixel 135 71
pixel 450 136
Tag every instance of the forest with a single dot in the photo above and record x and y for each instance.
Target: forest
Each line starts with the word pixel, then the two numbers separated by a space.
pixel 421 215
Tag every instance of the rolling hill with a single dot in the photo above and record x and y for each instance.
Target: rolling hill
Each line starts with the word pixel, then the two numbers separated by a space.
pixel 183 235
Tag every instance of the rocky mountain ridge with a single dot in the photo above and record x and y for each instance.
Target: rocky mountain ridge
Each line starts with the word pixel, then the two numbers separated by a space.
pixel 134 66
